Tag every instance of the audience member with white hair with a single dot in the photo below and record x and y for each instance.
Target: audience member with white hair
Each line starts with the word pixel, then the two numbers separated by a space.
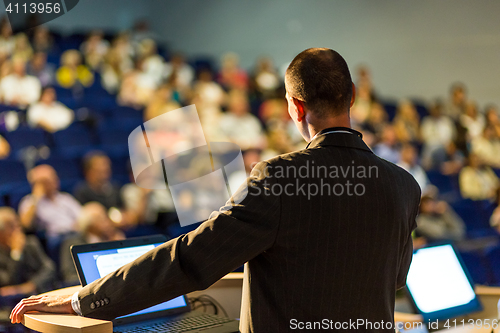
pixel 18 88
pixel 95 226
pixel 24 267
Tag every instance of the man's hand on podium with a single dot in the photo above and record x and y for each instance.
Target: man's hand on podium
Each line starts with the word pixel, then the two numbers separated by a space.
pixel 55 304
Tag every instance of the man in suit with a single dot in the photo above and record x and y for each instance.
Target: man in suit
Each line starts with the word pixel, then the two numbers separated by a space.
pixel 325 232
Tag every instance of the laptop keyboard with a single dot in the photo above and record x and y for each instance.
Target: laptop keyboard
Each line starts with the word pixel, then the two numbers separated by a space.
pixel 181 325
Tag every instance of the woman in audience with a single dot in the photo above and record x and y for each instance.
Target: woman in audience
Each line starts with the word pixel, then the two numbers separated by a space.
pixel 25 269
pixel 18 88
pixel 388 148
pixel 473 121
pixel 487 147
pixel 407 123
pixel 478 181
pixel 72 72
pixel 160 103
pixel 39 68
pixel 408 161
pixel 42 40
pixel 49 114
pixel 22 47
pixel 94 49
pixel 231 75
pixel 117 62
pixel 7 40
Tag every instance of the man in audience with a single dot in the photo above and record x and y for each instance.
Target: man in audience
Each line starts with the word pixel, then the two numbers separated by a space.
pixel 437 221
pixel 24 266
pixel 49 114
pixel 487 147
pixel 408 161
pixel 97 185
pixel 437 131
pixel 94 227
pixel 47 209
pixel 18 88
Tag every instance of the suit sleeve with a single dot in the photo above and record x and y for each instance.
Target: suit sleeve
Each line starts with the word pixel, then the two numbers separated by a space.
pixel 228 239
pixel 407 253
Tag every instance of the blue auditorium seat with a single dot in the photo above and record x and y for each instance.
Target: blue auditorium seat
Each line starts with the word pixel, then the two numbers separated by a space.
pixel 114 141
pixel 493 256
pixel 24 137
pixel 73 142
pixel 477 266
pixel 476 215
pixel 120 168
pixel 12 176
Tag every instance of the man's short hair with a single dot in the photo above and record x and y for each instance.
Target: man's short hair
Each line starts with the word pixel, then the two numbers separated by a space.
pixel 321 79
pixel 90 157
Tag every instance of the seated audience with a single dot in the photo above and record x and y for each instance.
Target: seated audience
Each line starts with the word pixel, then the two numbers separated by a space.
pixel 49 114
pixel 116 63
pixel 22 47
pixel 478 181
pixel 25 269
pixel 377 119
pixel 473 121
pixel 231 75
pixel 160 103
pixel 437 221
pixel 7 40
pixel 182 72
pixel 437 131
pixel 42 39
pixel 72 72
pixel 409 159
pixel 407 122
pixel 18 88
pixel 94 49
pixel 94 226
pixel 4 148
pixel 453 160
pixel 39 68
pixel 266 78
pixel 492 118
pixel 206 92
pixel 98 185
pixel 388 148
pixel 457 102
pixel 239 125
pixel 487 147
pixel 47 209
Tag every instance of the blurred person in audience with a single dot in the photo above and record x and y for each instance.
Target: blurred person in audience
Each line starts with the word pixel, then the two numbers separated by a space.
pixel 407 122
pixel 22 47
pixel 377 120
pixel 42 40
pixel 7 40
pixel 437 132
pixel 39 68
pixel 94 226
pixel 94 49
pixel 97 185
pixel 48 113
pixel 231 75
pixel 160 103
pixel 478 181
pixel 137 87
pixel 19 88
pixel 250 158
pixel 178 68
pixel 409 162
pixel 457 102
pixel 453 161
pixel 153 65
pixel 141 31
pixel 388 148
pixel 4 148
pixel 473 121
pixel 266 78
pixel 239 125
pixel 274 112
pixel 362 107
pixel 492 118
pixel 207 92
pixel 278 143
pixel 47 209
pixel 487 147
pixel 437 221
pixel 117 62
pixel 25 269
pixel 72 72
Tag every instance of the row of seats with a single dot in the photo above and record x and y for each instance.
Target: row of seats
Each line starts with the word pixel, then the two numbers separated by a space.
pixel 484 265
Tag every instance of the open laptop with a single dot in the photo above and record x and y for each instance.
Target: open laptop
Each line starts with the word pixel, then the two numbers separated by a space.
pixel 439 284
pixel 93 261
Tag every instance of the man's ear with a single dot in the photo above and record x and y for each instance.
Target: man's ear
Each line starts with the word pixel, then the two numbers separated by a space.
pixel 299 106
pixel 353 97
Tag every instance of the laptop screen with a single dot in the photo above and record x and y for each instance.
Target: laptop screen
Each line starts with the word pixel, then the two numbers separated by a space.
pixel 439 284
pixel 96 264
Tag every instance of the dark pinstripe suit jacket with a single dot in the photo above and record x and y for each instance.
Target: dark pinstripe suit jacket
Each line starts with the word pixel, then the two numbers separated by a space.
pixel 318 246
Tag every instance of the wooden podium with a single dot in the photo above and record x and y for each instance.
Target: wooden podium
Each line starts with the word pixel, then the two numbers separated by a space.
pixel 228 292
